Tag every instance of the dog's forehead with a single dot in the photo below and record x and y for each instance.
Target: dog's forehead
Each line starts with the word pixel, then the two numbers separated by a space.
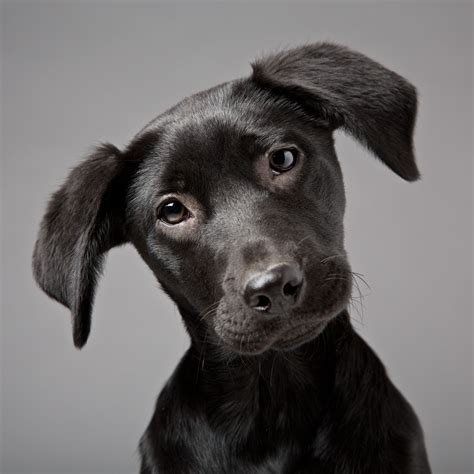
pixel 225 125
pixel 234 109
pixel 214 147
pixel 211 118
pixel 211 141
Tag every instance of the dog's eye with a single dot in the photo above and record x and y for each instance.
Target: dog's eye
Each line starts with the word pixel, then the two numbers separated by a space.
pixel 172 212
pixel 283 160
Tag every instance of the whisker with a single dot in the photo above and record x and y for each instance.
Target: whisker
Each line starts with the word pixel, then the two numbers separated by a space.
pixel 331 257
pixel 353 318
pixel 360 276
pixel 208 311
pixel 356 302
pixel 360 297
pixel 202 356
pixel 359 309
pixel 302 240
pixel 271 370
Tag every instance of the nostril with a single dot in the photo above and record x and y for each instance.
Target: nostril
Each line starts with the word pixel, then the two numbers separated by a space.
pixel 263 303
pixel 291 290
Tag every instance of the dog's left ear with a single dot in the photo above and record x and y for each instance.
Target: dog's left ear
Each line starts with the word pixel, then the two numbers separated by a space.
pixel 84 219
pixel 348 90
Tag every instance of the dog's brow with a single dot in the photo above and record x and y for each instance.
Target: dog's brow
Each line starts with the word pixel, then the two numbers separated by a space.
pixel 178 187
pixel 170 183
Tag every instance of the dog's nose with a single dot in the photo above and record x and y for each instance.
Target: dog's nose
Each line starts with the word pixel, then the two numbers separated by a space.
pixel 274 290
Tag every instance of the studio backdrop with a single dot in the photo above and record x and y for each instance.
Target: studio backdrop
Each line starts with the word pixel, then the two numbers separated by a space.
pixel 75 74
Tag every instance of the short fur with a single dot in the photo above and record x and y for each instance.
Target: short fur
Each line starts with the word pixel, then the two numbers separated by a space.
pixel 290 388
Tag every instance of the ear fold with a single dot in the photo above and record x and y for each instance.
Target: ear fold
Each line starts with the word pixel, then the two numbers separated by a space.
pixel 84 219
pixel 375 105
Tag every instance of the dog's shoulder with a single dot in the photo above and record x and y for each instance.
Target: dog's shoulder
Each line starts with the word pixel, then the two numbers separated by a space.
pixel 368 419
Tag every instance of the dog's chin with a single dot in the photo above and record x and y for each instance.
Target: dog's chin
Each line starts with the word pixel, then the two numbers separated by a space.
pixel 299 336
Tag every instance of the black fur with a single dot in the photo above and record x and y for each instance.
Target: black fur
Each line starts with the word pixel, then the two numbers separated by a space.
pixel 290 388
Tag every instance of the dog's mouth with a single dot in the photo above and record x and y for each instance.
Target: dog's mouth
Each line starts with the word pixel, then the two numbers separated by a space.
pixel 247 332
pixel 283 339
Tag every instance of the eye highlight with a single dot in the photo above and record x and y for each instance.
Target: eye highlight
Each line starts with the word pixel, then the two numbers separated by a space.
pixel 283 160
pixel 172 212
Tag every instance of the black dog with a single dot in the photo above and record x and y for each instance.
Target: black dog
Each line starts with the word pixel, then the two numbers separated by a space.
pixel 235 200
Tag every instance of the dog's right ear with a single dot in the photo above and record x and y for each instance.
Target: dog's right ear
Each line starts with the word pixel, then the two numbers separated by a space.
pixel 84 219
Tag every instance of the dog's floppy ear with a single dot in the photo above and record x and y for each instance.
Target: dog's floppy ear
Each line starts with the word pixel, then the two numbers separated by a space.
pixel 84 219
pixel 347 89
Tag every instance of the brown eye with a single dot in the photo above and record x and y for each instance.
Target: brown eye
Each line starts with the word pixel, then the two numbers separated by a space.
pixel 282 160
pixel 172 212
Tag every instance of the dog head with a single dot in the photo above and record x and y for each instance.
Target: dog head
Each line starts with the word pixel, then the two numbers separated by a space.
pixel 235 199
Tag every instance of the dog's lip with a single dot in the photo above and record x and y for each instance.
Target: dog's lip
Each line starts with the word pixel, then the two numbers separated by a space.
pixel 295 337
pixel 285 339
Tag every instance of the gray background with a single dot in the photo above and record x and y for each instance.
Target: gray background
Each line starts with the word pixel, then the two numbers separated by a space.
pixel 77 74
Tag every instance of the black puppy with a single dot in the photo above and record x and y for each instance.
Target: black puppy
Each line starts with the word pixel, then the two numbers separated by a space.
pixel 235 200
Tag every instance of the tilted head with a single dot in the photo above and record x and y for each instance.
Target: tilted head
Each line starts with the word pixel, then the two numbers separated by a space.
pixel 235 199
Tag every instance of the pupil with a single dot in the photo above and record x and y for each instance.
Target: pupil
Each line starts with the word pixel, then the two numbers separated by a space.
pixel 283 159
pixel 173 210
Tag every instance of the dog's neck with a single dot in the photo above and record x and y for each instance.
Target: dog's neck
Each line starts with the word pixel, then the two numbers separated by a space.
pixel 262 387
